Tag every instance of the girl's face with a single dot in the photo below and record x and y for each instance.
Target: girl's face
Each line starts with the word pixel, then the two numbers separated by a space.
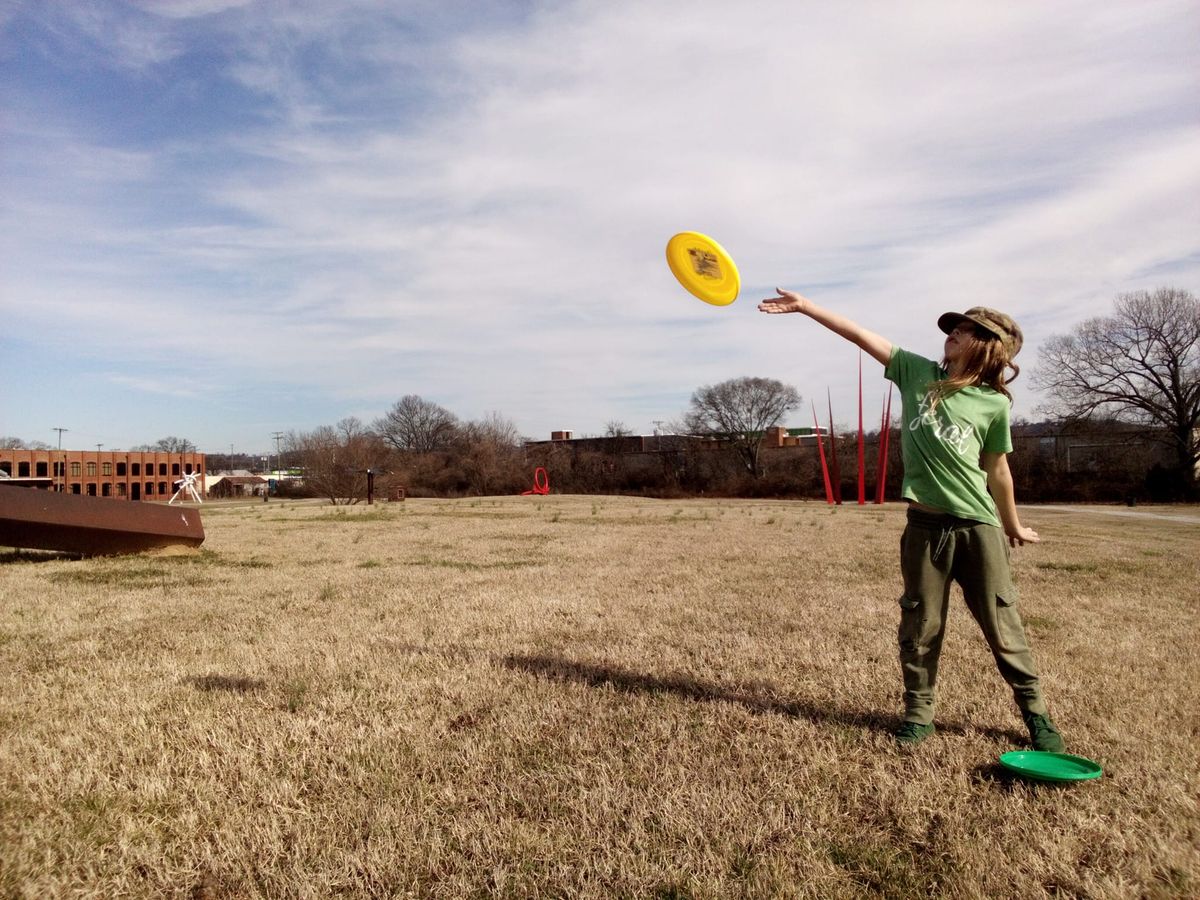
pixel 959 340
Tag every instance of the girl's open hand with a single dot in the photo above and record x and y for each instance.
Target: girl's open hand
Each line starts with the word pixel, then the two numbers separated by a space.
pixel 786 302
pixel 1021 536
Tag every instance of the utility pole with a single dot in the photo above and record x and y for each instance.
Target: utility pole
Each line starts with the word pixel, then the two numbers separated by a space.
pixel 278 435
pixel 60 431
pixel 98 446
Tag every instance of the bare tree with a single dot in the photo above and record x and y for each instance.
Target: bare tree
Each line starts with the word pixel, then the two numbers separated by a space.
pixel 15 443
pixel 489 452
pixel 615 428
pixel 415 425
pixel 174 444
pixel 1141 364
pixel 740 410
pixel 335 459
pixel 170 444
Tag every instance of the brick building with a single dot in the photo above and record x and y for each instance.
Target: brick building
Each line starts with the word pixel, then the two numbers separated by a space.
pixel 122 475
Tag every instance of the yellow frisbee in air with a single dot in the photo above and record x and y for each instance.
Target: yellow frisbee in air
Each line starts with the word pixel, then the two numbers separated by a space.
pixel 703 267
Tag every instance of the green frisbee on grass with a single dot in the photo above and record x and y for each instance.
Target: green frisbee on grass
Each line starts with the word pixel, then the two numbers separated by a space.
pixel 1039 765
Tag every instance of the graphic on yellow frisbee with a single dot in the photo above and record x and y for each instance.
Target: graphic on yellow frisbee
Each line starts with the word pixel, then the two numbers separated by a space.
pixel 703 267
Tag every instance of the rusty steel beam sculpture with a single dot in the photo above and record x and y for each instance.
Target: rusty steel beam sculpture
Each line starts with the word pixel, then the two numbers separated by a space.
pixel 92 526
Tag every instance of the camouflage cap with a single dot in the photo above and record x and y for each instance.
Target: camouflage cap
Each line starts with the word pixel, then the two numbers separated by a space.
pixel 991 320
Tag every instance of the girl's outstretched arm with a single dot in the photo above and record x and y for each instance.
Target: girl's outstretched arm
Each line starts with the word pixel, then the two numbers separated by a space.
pixel 790 302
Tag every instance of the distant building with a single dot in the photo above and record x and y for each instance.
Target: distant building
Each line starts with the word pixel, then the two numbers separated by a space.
pixel 239 484
pixel 122 475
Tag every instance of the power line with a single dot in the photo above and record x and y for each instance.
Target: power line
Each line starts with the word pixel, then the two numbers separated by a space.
pixel 60 434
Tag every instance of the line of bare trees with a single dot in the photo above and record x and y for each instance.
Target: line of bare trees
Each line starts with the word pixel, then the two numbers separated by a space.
pixel 418 445
pixel 1139 366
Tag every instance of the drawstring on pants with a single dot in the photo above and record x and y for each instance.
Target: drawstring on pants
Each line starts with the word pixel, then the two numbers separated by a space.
pixel 945 524
pixel 943 539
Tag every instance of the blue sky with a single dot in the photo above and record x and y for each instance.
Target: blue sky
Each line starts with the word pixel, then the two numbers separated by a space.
pixel 223 219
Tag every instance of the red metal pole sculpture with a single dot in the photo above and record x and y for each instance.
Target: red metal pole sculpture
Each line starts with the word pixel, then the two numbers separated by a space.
pixel 837 467
pixel 824 464
pixel 885 430
pixel 862 475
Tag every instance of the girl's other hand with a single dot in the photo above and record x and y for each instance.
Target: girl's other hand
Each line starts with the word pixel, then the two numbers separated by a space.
pixel 1022 536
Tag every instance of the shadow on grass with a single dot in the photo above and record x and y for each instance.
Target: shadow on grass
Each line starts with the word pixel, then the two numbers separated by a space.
pixel 235 684
pixel 1010 782
pixel 35 556
pixel 694 689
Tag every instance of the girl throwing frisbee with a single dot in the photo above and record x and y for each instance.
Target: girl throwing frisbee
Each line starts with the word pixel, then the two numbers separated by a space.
pixel 961 504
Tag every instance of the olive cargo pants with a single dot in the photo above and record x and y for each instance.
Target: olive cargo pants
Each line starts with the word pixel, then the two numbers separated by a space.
pixel 936 550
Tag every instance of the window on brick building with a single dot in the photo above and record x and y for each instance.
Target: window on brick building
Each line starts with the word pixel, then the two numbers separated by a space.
pixel 106 490
pixel 76 470
pixel 91 490
pixel 43 469
pixel 91 470
pixel 106 468
pixel 77 488
pixel 120 470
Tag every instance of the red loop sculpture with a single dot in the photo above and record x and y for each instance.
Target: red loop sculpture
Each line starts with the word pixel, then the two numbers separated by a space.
pixel 541 483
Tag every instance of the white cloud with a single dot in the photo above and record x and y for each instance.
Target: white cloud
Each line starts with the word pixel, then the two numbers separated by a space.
pixel 495 241
pixel 188 9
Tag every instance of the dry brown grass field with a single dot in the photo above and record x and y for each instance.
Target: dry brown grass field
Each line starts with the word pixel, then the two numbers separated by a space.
pixel 584 697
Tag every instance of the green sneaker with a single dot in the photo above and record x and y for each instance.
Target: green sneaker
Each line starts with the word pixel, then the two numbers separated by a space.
pixel 909 734
pixel 1042 733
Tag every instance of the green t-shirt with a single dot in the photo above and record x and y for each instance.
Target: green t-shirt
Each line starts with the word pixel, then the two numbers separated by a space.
pixel 941 447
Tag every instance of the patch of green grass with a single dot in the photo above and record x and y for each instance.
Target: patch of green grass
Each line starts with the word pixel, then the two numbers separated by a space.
pixel 237 684
pixel 295 692
pixel 1178 882
pixel 1040 623
pixel 463 565
pixel 482 514
pixel 141 576
pixel 886 870
pixel 341 514
pixel 370 564
pixel 252 563
pixel 1081 568
pixel 675 890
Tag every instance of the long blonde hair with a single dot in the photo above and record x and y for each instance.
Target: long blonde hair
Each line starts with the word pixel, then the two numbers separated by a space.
pixel 983 364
